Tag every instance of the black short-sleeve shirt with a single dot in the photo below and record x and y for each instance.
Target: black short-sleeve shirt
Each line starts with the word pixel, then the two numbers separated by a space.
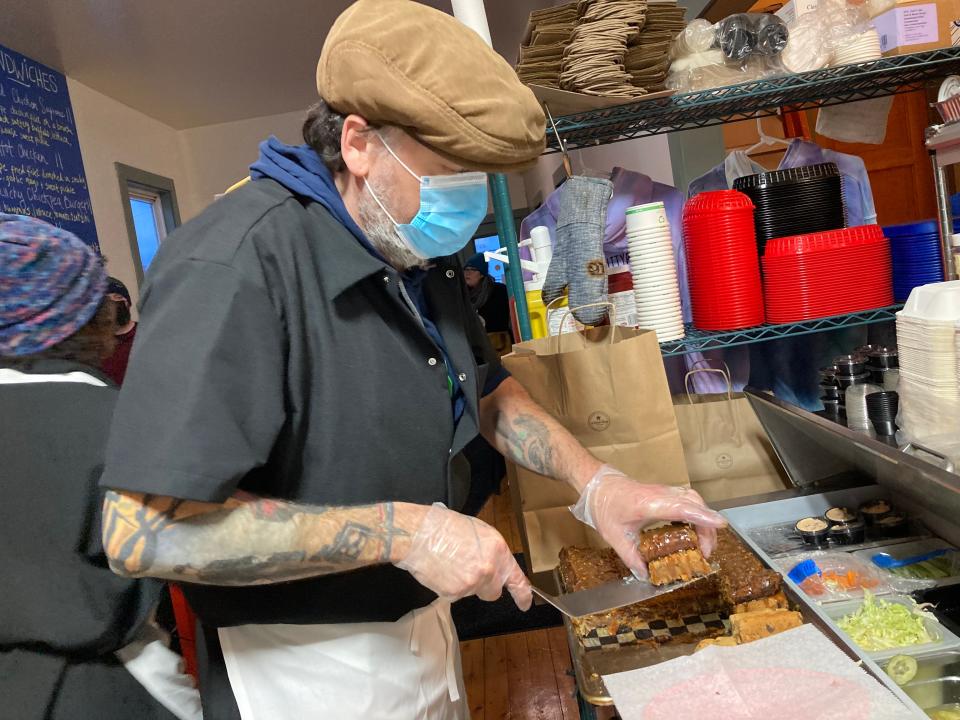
pixel 276 355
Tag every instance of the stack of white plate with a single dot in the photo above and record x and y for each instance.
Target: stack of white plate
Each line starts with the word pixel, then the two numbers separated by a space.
pixel 859 49
pixel 928 340
pixel 654 270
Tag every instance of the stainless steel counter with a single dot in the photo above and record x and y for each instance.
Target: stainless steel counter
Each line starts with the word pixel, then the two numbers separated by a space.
pixel 829 465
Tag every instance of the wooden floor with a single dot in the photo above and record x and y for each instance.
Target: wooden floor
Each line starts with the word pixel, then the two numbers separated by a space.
pixel 521 676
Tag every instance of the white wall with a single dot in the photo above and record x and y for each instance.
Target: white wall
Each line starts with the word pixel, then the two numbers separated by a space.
pixel 650 156
pixel 111 132
pixel 217 156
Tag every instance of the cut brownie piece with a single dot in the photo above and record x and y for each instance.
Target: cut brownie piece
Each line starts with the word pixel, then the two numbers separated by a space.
pixel 774 602
pixel 666 540
pixel 747 627
pixel 672 554
pixel 682 566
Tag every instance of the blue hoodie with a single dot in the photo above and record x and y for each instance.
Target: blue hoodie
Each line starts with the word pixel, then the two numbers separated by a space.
pixel 301 171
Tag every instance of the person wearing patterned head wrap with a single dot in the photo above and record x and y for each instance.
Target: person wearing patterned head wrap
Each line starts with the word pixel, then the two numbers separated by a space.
pixel 74 638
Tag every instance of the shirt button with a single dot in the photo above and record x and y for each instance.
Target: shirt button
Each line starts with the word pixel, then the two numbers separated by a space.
pixel 431 362
pixel 451 274
pixel 461 377
pixel 386 278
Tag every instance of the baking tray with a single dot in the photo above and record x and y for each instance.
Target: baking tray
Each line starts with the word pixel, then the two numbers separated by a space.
pixel 591 665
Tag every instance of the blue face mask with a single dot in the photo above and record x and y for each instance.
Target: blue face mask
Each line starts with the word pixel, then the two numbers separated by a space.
pixel 451 209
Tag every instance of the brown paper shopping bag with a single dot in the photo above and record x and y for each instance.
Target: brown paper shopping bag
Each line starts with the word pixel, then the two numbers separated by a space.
pixel 727 451
pixel 607 387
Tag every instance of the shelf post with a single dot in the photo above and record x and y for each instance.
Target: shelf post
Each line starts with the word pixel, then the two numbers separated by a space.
pixel 945 217
pixel 507 232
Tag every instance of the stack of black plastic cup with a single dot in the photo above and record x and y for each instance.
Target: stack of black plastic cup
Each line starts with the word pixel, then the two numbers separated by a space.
pixel 795 201
pixel 882 410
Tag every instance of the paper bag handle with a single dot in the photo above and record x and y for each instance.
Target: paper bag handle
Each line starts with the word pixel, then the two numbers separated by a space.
pixel 725 374
pixel 570 311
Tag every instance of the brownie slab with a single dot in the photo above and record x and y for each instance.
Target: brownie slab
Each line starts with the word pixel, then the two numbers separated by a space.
pixel 584 567
pixel 741 585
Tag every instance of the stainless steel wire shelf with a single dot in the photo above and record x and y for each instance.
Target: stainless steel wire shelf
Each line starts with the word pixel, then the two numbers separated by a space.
pixel 818 88
pixel 699 340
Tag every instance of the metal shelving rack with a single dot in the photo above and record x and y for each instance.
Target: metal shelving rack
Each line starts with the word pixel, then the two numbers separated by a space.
pixel 819 88
pixel 683 111
pixel 700 340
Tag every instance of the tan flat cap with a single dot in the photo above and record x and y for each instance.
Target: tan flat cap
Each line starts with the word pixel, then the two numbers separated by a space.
pixel 398 62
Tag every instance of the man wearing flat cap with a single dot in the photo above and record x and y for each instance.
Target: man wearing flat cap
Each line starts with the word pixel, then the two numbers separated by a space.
pixel 308 369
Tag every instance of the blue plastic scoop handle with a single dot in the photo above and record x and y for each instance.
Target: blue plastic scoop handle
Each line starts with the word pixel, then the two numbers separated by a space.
pixel 886 561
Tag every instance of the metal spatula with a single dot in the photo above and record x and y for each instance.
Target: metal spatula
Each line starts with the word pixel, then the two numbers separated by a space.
pixel 609 596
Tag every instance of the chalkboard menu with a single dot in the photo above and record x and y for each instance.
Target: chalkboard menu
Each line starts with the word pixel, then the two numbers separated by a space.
pixel 41 171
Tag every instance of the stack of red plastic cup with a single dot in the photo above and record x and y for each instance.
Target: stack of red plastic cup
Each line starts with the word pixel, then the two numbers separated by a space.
pixel 722 264
pixel 828 273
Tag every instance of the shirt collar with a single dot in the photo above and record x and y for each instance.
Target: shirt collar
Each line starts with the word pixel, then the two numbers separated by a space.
pixel 355 262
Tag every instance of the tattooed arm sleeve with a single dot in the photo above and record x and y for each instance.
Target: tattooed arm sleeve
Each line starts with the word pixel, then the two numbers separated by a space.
pixel 249 540
pixel 526 434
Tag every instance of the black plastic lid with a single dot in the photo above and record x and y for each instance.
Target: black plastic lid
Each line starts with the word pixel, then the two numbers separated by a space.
pixel 790 175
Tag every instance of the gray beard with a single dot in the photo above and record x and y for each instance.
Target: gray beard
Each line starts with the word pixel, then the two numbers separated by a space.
pixel 382 233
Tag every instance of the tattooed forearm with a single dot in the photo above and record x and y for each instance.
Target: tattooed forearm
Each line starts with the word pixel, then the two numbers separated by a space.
pixel 524 432
pixel 248 540
pixel 528 441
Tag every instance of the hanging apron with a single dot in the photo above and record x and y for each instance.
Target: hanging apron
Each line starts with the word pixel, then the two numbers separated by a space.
pixel 159 670
pixel 405 670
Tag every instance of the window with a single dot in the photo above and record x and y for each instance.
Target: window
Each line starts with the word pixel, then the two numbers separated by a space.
pixel 150 207
pixel 148 223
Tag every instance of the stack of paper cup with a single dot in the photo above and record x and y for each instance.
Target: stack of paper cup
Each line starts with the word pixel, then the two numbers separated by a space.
pixel 654 270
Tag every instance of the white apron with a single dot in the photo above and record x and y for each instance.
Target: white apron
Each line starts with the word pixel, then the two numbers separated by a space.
pixel 405 670
pixel 158 669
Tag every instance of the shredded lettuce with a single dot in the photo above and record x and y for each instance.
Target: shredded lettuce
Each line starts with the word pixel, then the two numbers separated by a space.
pixel 881 625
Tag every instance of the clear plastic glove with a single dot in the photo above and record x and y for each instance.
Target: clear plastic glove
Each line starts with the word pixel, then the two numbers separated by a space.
pixel 457 556
pixel 618 508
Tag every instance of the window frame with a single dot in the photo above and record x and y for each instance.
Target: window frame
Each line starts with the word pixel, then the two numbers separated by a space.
pixel 161 192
